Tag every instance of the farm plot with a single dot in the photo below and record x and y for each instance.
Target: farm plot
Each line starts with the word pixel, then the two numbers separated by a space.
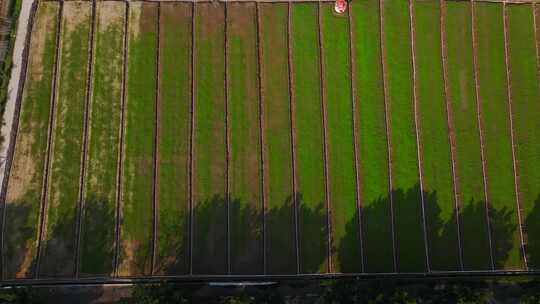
pixel 98 223
pixel 24 190
pixel 497 140
pixel 278 174
pixel 174 138
pixel 210 151
pixel 525 94
pixel 406 194
pixel 138 160
pixel 337 98
pixel 246 225
pixel 434 141
pixel 311 200
pixel 464 121
pixel 58 254
pixel 375 202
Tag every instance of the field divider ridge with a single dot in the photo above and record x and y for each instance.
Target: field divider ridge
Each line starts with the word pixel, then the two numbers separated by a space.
pixel 417 132
pixel 14 131
pixel 292 114
pixel 262 142
pixel 512 136
pixel 330 247
pixel 191 138
pixel 451 131
pixel 227 142
pixel 535 12
pixel 480 130
pixel 43 212
pixel 86 135
pixel 354 101
pixel 388 132
pixel 119 196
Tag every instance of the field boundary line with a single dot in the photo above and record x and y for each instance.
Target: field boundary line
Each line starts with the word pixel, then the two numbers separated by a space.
pixel 121 156
pixel 417 132
pixel 354 100
pixel 451 129
pixel 14 129
pixel 86 135
pixel 387 119
pixel 227 141
pixel 536 38
pixel 191 138
pixel 292 113
pixel 512 135
pixel 50 141
pixel 261 135
pixel 155 200
pixel 330 245
pixel 289 1
pixel 480 128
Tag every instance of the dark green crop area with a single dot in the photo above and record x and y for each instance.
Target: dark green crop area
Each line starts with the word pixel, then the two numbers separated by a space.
pixel 245 138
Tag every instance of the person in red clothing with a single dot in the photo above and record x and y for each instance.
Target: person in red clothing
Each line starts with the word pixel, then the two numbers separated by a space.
pixel 340 6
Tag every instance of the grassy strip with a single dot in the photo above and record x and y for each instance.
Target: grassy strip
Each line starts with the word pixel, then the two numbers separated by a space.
pixel 338 97
pixel 496 124
pixel 209 184
pixel 309 139
pixel 281 255
pixel 462 96
pixel 97 242
pixel 526 110
pixel 406 189
pixel 372 155
pixel 435 145
pixel 63 187
pixel 173 146
pixel 23 195
pixel 137 193
pixel 245 166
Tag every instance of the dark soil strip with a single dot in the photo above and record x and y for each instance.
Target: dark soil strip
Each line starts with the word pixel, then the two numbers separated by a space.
pixel 356 141
pixel 451 130
pixel 43 213
pixel 191 139
pixel 261 137
pixel 155 202
pixel 13 134
pixel 325 145
pixel 417 133
pixel 118 214
pixel 293 137
pixel 388 131
pixel 512 137
pixel 90 69
pixel 480 130
pixel 227 144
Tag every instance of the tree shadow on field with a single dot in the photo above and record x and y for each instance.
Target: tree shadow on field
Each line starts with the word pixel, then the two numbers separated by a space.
pixel 246 237
pixel 173 239
pixel 474 236
pixel 280 238
pixel 532 223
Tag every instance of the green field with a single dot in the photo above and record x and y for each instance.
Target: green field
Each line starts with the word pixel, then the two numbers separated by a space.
pixel 100 198
pixel 434 140
pixel 174 138
pixel 462 99
pixel 252 138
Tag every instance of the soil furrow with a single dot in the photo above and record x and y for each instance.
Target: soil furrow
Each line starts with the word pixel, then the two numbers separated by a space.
pixel 191 139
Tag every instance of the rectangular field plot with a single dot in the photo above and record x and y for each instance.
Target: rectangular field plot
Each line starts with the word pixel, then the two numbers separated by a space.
pixel 100 195
pixel 210 139
pixel 63 185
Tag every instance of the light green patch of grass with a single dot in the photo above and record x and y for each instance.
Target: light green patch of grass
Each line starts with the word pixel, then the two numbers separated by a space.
pixel 406 192
pixel 497 140
pixel 309 133
pixel 468 160
pixel 281 255
pixel 139 140
pixel 434 140
pixel 372 145
pixel 342 179
pixel 24 188
pixel 100 196
pixel 63 196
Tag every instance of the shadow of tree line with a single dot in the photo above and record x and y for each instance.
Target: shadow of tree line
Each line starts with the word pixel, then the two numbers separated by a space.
pixel 210 243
